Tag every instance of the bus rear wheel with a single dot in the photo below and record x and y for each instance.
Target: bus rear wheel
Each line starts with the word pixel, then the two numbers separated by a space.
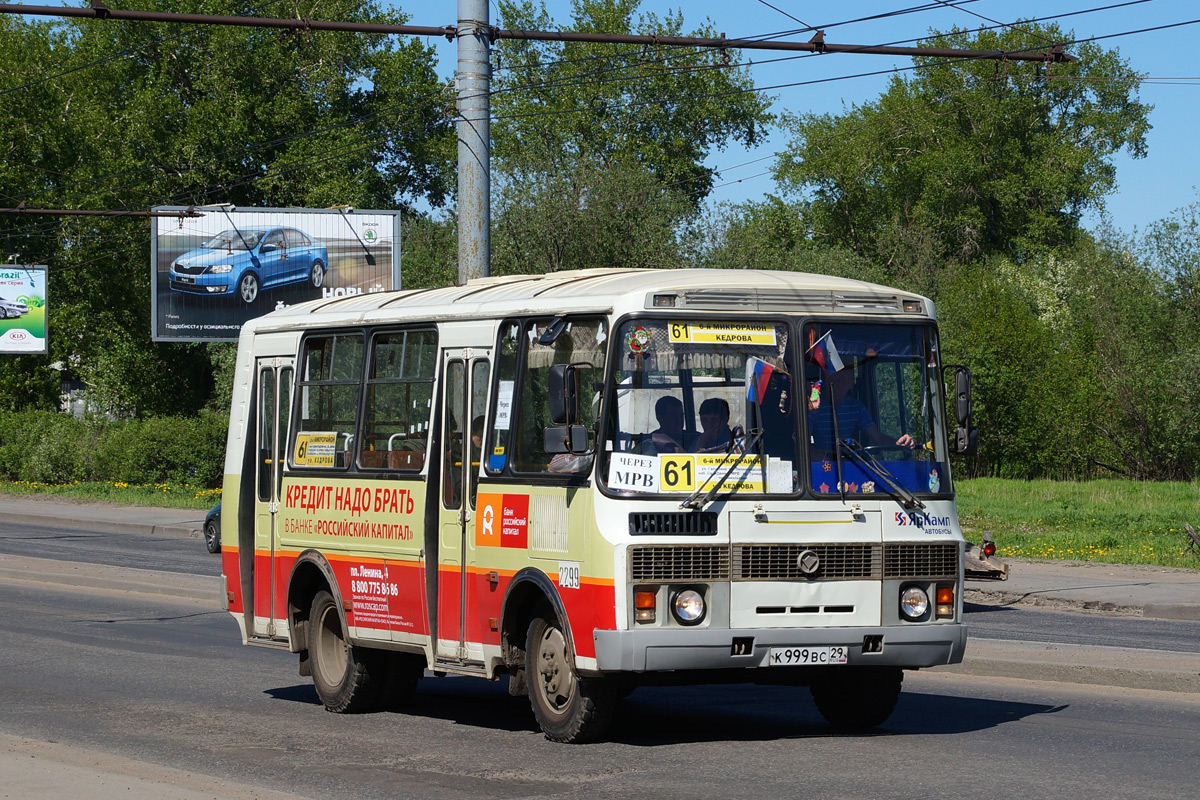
pixel 348 679
pixel 857 698
pixel 568 708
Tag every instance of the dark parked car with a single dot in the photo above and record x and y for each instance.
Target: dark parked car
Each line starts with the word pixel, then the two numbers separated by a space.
pixel 212 529
pixel 241 262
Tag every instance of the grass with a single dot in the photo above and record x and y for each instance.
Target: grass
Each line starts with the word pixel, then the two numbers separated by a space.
pixel 166 495
pixel 1113 521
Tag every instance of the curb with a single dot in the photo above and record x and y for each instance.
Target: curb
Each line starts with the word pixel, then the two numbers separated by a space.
pixel 1050 601
pixel 1176 611
pixel 1080 664
pixel 179 531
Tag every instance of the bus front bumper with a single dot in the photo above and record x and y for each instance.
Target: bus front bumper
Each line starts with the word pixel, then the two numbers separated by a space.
pixel 909 646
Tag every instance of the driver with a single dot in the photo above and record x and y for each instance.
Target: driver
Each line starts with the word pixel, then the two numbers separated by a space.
pixel 853 419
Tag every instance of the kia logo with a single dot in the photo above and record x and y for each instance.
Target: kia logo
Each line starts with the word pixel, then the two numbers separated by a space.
pixel 18 335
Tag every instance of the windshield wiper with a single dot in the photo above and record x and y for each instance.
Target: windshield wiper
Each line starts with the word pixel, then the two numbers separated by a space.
pixel 898 492
pixel 697 503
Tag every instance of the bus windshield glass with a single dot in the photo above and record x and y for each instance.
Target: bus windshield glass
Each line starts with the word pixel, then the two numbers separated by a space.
pixel 702 405
pixel 874 409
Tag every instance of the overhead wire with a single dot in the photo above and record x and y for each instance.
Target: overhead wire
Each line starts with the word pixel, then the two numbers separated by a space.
pixel 249 178
pixel 576 81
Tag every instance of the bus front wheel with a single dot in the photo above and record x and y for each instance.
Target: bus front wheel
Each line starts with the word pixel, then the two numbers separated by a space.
pixel 857 698
pixel 568 708
pixel 348 679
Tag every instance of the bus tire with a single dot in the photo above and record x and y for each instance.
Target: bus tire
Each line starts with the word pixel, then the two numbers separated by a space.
pixel 568 708
pixel 857 698
pixel 348 679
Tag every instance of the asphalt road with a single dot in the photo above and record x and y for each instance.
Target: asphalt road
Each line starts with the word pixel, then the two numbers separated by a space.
pixel 171 685
pixel 986 621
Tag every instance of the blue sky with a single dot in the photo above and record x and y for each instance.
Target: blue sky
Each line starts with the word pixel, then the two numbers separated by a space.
pixel 1148 189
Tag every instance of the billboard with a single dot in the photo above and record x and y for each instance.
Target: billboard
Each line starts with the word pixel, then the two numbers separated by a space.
pixel 211 273
pixel 22 309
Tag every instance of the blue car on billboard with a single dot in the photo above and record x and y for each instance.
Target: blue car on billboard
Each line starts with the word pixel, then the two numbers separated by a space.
pixel 243 261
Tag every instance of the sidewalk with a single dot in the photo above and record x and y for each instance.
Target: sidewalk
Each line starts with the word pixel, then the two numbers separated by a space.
pixel 146 520
pixel 1158 592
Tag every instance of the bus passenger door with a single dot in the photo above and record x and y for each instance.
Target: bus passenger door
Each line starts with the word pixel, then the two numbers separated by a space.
pixel 274 393
pixel 464 404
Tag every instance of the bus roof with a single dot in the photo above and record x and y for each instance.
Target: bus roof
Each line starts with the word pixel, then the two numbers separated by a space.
pixel 603 290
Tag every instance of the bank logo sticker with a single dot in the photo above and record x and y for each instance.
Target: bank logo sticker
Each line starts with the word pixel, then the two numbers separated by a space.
pixel 502 520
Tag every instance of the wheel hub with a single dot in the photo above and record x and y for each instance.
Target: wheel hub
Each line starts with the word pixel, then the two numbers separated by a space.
pixel 557 680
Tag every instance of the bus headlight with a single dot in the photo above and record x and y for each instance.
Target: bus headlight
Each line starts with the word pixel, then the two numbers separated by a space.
pixel 687 606
pixel 914 603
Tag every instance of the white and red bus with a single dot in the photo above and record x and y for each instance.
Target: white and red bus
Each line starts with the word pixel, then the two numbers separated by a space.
pixel 588 481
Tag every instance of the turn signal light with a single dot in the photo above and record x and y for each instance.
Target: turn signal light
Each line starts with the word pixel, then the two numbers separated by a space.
pixel 945 601
pixel 644 604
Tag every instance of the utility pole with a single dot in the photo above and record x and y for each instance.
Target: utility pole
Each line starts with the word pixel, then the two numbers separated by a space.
pixel 474 139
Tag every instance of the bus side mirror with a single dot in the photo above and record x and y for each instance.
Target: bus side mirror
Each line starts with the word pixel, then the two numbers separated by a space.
pixel 962 395
pixel 565 439
pixel 966 440
pixel 563 388
pixel 966 435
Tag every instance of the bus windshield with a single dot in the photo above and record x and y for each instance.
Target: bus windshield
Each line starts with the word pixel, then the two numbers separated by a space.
pixel 699 405
pixel 874 409
pixel 720 407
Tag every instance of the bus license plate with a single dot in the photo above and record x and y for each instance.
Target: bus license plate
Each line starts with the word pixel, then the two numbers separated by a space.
pixel 808 656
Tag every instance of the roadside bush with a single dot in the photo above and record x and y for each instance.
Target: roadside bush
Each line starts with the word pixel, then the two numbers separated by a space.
pixel 48 447
pixel 44 447
pixel 164 450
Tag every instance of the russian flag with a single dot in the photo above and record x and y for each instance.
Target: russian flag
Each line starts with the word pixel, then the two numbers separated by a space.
pixel 758 375
pixel 825 354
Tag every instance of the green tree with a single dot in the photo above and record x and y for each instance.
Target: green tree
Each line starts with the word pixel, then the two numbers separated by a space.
pixel 1135 307
pixel 129 115
pixel 599 149
pixel 962 160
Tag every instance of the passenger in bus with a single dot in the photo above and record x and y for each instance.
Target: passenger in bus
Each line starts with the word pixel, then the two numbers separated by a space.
pixel 669 437
pixel 854 421
pixel 476 442
pixel 714 419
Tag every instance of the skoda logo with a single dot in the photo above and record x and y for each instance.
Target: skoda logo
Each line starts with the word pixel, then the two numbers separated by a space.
pixel 808 562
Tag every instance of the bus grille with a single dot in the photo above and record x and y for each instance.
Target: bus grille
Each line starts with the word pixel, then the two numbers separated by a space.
pixel 688 523
pixel 687 563
pixel 781 562
pixel 921 560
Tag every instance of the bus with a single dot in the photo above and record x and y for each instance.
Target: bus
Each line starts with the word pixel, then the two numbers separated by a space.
pixel 595 480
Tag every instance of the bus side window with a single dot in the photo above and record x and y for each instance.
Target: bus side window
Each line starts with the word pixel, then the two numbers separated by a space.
pixel 328 395
pixel 399 397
